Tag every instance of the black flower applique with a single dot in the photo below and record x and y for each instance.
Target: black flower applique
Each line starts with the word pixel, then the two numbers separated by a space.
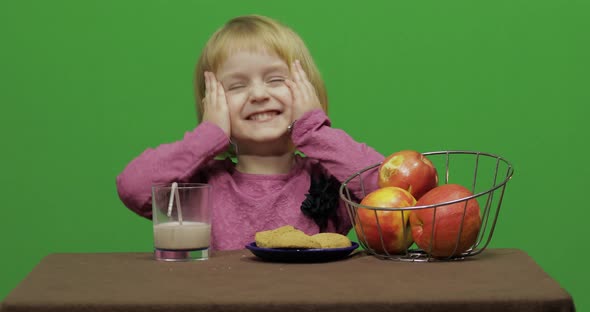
pixel 322 199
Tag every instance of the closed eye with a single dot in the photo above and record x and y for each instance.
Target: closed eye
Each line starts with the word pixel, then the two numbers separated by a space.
pixel 235 86
pixel 276 80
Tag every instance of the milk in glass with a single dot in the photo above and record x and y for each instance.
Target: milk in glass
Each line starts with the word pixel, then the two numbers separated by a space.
pixel 188 236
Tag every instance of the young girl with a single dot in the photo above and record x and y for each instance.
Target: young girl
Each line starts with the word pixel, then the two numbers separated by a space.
pixel 260 93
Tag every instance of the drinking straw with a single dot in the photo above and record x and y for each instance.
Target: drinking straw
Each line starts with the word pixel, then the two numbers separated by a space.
pixel 178 206
pixel 172 194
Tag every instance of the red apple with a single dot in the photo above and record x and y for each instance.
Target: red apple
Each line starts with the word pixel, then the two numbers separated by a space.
pixel 409 170
pixel 393 225
pixel 447 223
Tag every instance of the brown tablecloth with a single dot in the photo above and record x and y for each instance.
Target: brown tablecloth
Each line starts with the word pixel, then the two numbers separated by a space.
pixel 496 280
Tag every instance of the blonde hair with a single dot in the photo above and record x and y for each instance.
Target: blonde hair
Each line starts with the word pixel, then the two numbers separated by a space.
pixel 255 33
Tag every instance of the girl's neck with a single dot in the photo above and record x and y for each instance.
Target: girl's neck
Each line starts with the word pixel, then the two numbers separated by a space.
pixel 266 164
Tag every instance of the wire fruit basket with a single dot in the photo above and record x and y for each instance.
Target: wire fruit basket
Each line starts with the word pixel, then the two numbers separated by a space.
pixel 484 175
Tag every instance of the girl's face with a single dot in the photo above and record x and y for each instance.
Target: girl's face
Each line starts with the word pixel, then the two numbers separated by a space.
pixel 259 102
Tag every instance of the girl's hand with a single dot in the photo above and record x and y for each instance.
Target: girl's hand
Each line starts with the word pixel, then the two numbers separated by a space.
pixel 302 91
pixel 215 108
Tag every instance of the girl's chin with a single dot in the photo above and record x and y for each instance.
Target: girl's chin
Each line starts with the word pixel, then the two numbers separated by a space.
pixel 268 139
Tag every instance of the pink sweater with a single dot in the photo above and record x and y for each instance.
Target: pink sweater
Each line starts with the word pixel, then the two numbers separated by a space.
pixel 244 204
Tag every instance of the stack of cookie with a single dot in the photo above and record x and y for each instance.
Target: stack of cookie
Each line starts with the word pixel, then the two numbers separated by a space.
pixel 289 237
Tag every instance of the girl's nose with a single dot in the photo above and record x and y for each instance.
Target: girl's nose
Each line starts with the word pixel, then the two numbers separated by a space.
pixel 258 93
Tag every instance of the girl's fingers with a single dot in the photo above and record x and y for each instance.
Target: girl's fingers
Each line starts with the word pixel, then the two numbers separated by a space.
pixel 295 72
pixel 307 88
pixel 205 100
pixel 221 94
pixel 295 91
pixel 212 83
pixel 306 79
pixel 302 72
pixel 209 89
pixel 207 83
pixel 310 90
pixel 302 83
pixel 296 96
pixel 214 94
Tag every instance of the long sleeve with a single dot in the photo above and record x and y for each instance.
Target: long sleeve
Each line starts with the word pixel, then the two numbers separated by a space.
pixel 335 150
pixel 178 161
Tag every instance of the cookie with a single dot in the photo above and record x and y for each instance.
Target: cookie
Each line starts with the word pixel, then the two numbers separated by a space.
pixel 294 239
pixel 264 239
pixel 332 240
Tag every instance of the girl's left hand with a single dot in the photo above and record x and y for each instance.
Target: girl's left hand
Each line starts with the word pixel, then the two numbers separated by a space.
pixel 302 91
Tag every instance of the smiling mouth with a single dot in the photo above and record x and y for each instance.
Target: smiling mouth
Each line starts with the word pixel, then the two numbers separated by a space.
pixel 263 116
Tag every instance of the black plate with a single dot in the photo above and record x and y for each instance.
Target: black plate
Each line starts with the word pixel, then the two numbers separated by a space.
pixel 301 255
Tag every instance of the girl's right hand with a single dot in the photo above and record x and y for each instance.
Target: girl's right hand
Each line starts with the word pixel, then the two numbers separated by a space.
pixel 303 92
pixel 215 108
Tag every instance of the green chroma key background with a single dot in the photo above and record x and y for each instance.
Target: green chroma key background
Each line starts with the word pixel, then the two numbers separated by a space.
pixel 88 85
